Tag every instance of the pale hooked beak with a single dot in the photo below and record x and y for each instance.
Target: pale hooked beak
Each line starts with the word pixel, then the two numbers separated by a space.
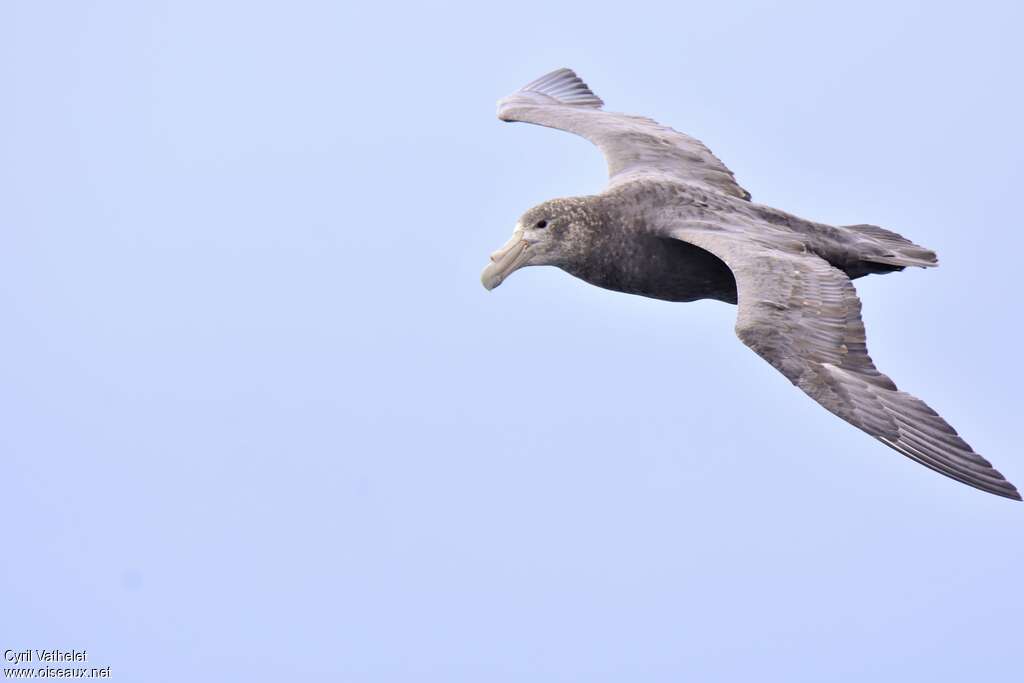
pixel 509 258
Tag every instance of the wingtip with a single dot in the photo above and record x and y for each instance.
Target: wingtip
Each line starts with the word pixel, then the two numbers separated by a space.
pixel 1001 487
pixel 566 87
pixel 1007 490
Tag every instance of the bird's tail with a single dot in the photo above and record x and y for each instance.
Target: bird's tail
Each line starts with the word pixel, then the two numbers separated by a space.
pixel 894 250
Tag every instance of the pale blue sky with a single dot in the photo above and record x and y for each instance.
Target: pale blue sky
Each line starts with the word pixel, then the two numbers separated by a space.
pixel 261 422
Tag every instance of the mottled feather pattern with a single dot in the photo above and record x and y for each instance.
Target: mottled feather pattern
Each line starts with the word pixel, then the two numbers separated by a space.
pixel 634 146
pixel 791 278
pixel 803 316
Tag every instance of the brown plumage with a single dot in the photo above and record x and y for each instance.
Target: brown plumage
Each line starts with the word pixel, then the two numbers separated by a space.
pixel 674 224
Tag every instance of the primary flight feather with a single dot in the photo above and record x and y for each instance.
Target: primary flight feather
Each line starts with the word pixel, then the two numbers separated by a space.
pixel 674 224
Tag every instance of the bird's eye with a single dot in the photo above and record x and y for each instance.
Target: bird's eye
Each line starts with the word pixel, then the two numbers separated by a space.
pixel 542 224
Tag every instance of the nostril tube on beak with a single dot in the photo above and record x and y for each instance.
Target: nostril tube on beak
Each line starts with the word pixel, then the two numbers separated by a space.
pixel 505 260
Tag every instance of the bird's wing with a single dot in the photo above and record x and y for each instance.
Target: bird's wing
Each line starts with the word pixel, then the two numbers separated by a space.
pixel 634 147
pixel 803 316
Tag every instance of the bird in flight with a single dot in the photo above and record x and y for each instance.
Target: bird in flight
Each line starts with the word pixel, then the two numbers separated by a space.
pixel 674 224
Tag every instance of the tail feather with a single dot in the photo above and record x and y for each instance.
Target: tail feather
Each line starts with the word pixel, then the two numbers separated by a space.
pixel 894 249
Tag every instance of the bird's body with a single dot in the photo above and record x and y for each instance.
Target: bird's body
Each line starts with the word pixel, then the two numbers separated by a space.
pixel 621 253
pixel 673 224
pixel 626 251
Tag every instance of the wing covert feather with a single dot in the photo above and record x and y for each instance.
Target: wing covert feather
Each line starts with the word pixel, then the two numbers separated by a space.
pixel 634 147
pixel 803 316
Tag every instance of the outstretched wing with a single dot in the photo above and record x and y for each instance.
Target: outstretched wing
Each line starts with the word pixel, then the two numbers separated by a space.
pixel 803 316
pixel 634 147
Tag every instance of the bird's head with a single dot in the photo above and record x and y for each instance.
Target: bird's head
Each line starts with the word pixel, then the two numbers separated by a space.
pixel 549 234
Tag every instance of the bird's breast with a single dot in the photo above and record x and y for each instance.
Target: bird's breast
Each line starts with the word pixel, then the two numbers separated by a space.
pixel 656 267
